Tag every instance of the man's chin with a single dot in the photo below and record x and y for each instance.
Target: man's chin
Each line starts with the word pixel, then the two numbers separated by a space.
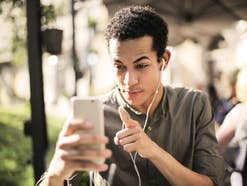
pixel 132 102
pixel 133 99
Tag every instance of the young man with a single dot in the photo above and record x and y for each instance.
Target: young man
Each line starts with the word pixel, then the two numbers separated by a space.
pixel 169 132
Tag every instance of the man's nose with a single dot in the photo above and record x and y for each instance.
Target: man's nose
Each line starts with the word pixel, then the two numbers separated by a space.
pixel 130 78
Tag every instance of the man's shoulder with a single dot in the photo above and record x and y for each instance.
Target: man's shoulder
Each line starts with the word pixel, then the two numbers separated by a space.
pixel 178 93
pixel 185 99
pixel 109 101
pixel 108 98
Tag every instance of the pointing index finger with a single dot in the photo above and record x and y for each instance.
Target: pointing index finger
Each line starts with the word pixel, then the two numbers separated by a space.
pixel 128 122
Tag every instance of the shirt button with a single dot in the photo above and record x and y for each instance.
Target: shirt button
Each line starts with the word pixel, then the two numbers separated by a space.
pixel 149 128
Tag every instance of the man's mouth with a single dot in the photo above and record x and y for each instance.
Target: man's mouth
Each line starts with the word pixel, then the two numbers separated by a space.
pixel 132 93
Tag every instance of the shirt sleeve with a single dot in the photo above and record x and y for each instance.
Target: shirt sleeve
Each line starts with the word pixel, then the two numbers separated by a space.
pixel 207 160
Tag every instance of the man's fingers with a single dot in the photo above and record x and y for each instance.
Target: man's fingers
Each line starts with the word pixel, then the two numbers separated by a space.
pixel 116 140
pixel 131 126
pixel 130 147
pixel 123 114
pixel 128 122
pixel 71 126
pixel 87 166
pixel 77 154
pixel 129 139
pixel 81 139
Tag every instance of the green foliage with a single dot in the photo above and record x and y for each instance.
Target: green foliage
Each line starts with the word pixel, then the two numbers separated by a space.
pixel 16 149
pixel 48 16
pixel 10 5
pixel 91 22
pixel 54 125
pixel 93 50
pixel 14 12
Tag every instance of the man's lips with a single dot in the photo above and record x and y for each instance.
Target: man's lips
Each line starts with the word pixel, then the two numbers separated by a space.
pixel 132 91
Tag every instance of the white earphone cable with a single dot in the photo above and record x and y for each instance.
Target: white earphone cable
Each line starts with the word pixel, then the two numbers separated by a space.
pixel 145 125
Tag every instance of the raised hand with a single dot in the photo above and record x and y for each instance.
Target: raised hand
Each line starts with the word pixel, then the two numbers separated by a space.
pixel 133 138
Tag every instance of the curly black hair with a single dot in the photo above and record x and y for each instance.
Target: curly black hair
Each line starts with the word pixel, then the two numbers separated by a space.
pixel 138 21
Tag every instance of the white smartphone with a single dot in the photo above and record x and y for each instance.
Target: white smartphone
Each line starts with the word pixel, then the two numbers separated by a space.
pixel 90 109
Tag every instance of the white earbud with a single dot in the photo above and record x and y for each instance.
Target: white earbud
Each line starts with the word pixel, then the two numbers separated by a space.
pixel 163 64
pixel 157 91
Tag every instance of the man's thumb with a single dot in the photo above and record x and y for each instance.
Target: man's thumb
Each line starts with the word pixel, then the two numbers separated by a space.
pixel 128 122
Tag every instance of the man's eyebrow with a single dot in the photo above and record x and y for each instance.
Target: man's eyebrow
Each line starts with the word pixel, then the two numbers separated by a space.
pixel 136 61
pixel 117 60
pixel 141 58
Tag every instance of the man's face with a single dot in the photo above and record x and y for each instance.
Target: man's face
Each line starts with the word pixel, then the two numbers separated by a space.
pixel 137 70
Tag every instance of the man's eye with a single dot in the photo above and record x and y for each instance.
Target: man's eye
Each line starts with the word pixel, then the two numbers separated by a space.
pixel 120 67
pixel 141 66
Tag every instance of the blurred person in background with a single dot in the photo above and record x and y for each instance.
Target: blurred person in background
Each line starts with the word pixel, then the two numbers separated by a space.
pixel 232 134
pixel 222 104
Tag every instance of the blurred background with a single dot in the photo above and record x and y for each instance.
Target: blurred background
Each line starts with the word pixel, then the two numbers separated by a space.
pixel 208 41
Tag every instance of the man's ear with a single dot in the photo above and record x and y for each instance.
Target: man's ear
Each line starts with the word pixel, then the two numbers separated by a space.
pixel 165 59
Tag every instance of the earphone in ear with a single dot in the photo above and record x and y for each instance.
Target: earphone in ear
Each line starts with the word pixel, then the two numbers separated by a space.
pixel 163 61
pixel 163 64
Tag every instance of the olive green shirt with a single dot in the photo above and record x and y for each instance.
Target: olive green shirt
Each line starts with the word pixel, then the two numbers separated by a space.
pixel 182 125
